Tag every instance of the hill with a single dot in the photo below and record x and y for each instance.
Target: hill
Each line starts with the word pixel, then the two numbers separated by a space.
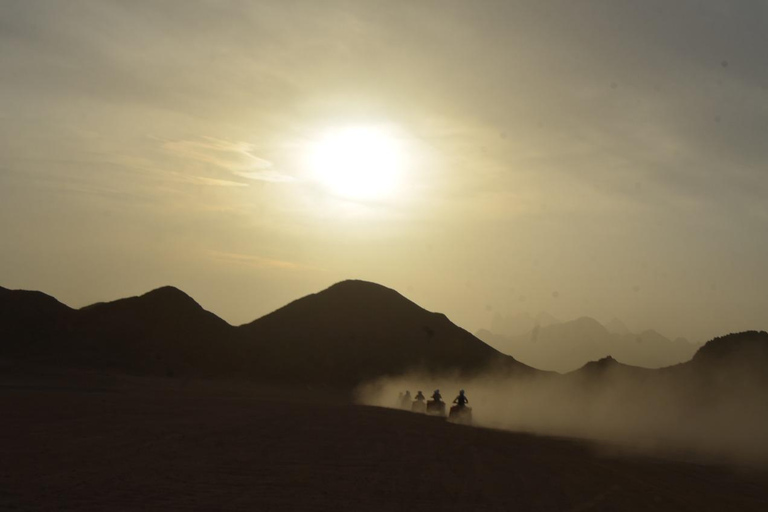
pixel 357 330
pixel 31 322
pixel 351 332
pixel 735 363
pixel 163 332
pixel 608 364
pixel 745 350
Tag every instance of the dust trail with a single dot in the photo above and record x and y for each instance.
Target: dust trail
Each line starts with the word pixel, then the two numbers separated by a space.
pixel 655 413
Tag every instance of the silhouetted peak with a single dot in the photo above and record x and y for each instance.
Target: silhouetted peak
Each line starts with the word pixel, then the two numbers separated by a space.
pixel 616 326
pixel 356 295
pixel 163 299
pixel 350 300
pixel 30 298
pixel 170 297
pixel 30 308
pixel 748 345
pixel 584 325
pixel 167 293
pixel 603 364
pixel 358 288
pixel 587 321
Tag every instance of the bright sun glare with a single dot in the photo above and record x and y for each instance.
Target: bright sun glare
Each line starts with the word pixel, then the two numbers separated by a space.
pixel 358 162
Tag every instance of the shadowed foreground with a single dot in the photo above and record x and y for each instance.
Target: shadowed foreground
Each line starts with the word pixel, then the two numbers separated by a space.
pixel 151 446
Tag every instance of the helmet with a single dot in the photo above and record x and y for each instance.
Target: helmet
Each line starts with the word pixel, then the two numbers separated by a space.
pixel 437 391
pixel 461 392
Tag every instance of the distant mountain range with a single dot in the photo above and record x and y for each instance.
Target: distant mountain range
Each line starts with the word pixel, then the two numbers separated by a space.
pixel 351 332
pixel 566 346
pixel 521 323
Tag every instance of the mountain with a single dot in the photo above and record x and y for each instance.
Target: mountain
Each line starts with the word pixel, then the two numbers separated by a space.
pixel 356 330
pixel 161 332
pixel 30 321
pixel 606 370
pixel 616 326
pixel 560 347
pixel 734 365
pixel 521 323
pixel 566 346
pixel 351 332
pixel 736 360
pixel 748 348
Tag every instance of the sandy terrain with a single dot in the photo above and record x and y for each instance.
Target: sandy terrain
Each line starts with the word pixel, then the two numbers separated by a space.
pixel 107 444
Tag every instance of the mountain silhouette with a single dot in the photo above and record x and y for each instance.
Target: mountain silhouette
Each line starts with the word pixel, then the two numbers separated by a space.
pixel 735 365
pixel 351 332
pixel 356 329
pixel 31 322
pixel 161 332
pixel 738 348
pixel 567 346
pixel 601 371
pixel 734 361
pixel 521 323
pixel 616 326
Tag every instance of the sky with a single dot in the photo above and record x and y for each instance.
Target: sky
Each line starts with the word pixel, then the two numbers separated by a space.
pixel 600 158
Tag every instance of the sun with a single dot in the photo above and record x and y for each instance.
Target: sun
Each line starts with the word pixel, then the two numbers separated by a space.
pixel 358 162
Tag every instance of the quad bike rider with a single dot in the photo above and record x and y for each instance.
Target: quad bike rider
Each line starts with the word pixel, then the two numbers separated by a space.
pixel 419 404
pixel 461 413
pixel 405 402
pixel 436 406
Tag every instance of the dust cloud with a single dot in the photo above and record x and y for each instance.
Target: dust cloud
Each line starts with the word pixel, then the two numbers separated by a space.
pixel 667 413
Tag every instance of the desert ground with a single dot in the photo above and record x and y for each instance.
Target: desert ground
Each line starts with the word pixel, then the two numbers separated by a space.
pixel 90 441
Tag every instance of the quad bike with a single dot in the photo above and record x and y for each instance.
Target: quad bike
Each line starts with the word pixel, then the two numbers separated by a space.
pixel 419 406
pixel 436 408
pixel 461 415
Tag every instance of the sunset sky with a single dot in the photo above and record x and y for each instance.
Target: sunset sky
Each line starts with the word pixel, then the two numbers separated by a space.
pixel 602 158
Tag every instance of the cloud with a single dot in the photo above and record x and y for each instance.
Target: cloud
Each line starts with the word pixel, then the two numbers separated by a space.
pixel 256 261
pixel 236 157
pixel 267 175
pixel 202 180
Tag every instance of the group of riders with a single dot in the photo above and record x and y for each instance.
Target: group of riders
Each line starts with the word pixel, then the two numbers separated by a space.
pixel 406 400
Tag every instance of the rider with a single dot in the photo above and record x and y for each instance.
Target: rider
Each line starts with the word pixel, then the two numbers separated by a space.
pixel 436 396
pixel 420 396
pixel 461 400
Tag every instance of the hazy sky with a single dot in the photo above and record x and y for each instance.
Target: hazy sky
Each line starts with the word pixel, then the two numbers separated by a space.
pixel 603 158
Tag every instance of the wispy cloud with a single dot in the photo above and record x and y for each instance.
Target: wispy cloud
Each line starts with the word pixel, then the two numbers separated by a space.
pixel 236 157
pixel 257 261
pixel 203 180
pixel 267 175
